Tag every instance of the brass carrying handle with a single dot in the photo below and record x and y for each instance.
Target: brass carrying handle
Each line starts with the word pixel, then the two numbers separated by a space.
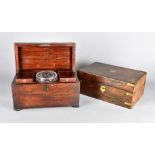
pixel 102 88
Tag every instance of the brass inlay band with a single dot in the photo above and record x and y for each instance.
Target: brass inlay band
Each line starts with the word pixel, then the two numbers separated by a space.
pixel 129 94
pixel 130 84
pixel 112 71
pixel 102 88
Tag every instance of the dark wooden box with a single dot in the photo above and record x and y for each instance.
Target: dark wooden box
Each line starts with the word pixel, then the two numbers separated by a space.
pixel 113 84
pixel 34 57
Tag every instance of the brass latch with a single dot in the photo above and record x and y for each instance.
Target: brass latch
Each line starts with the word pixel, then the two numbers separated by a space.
pixel 102 88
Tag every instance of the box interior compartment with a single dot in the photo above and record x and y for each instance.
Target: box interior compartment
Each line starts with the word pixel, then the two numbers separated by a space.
pixel 32 58
pixel 30 76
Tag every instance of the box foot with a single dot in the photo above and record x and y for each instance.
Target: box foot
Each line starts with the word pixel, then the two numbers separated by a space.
pixel 17 109
pixel 76 106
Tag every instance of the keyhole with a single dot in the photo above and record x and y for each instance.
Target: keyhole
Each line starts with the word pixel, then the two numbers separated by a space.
pixel 45 88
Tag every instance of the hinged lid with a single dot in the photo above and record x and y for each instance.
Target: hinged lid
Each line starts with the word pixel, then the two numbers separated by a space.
pixel 118 77
pixel 43 56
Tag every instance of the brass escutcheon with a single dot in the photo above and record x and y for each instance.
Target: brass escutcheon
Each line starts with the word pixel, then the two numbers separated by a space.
pixel 102 88
pixel 45 88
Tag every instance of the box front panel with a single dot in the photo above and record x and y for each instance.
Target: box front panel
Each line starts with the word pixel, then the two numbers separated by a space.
pixel 46 95
pixel 106 93
pixel 107 81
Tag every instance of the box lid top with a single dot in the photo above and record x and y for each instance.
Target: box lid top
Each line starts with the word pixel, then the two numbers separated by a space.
pixel 114 72
pixel 42 56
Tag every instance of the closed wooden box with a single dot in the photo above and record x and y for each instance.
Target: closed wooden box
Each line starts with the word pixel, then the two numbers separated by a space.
pixel 113 84
pixel 34 57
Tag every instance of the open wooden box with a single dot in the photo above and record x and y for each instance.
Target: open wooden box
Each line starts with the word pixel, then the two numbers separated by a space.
pixel 34 57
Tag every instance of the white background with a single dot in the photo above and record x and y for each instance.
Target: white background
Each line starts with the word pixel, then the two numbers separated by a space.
pixel 132 50
pixel 77 16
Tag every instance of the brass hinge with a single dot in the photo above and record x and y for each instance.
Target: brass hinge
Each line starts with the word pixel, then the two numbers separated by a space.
pixel 102 88
pixel 130 84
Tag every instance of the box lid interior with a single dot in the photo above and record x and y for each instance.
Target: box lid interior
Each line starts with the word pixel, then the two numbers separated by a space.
pixel 113 72
pixel 53 56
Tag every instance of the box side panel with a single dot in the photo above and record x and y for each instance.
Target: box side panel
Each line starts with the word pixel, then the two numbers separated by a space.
pixel 139 89
pixel 45 95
